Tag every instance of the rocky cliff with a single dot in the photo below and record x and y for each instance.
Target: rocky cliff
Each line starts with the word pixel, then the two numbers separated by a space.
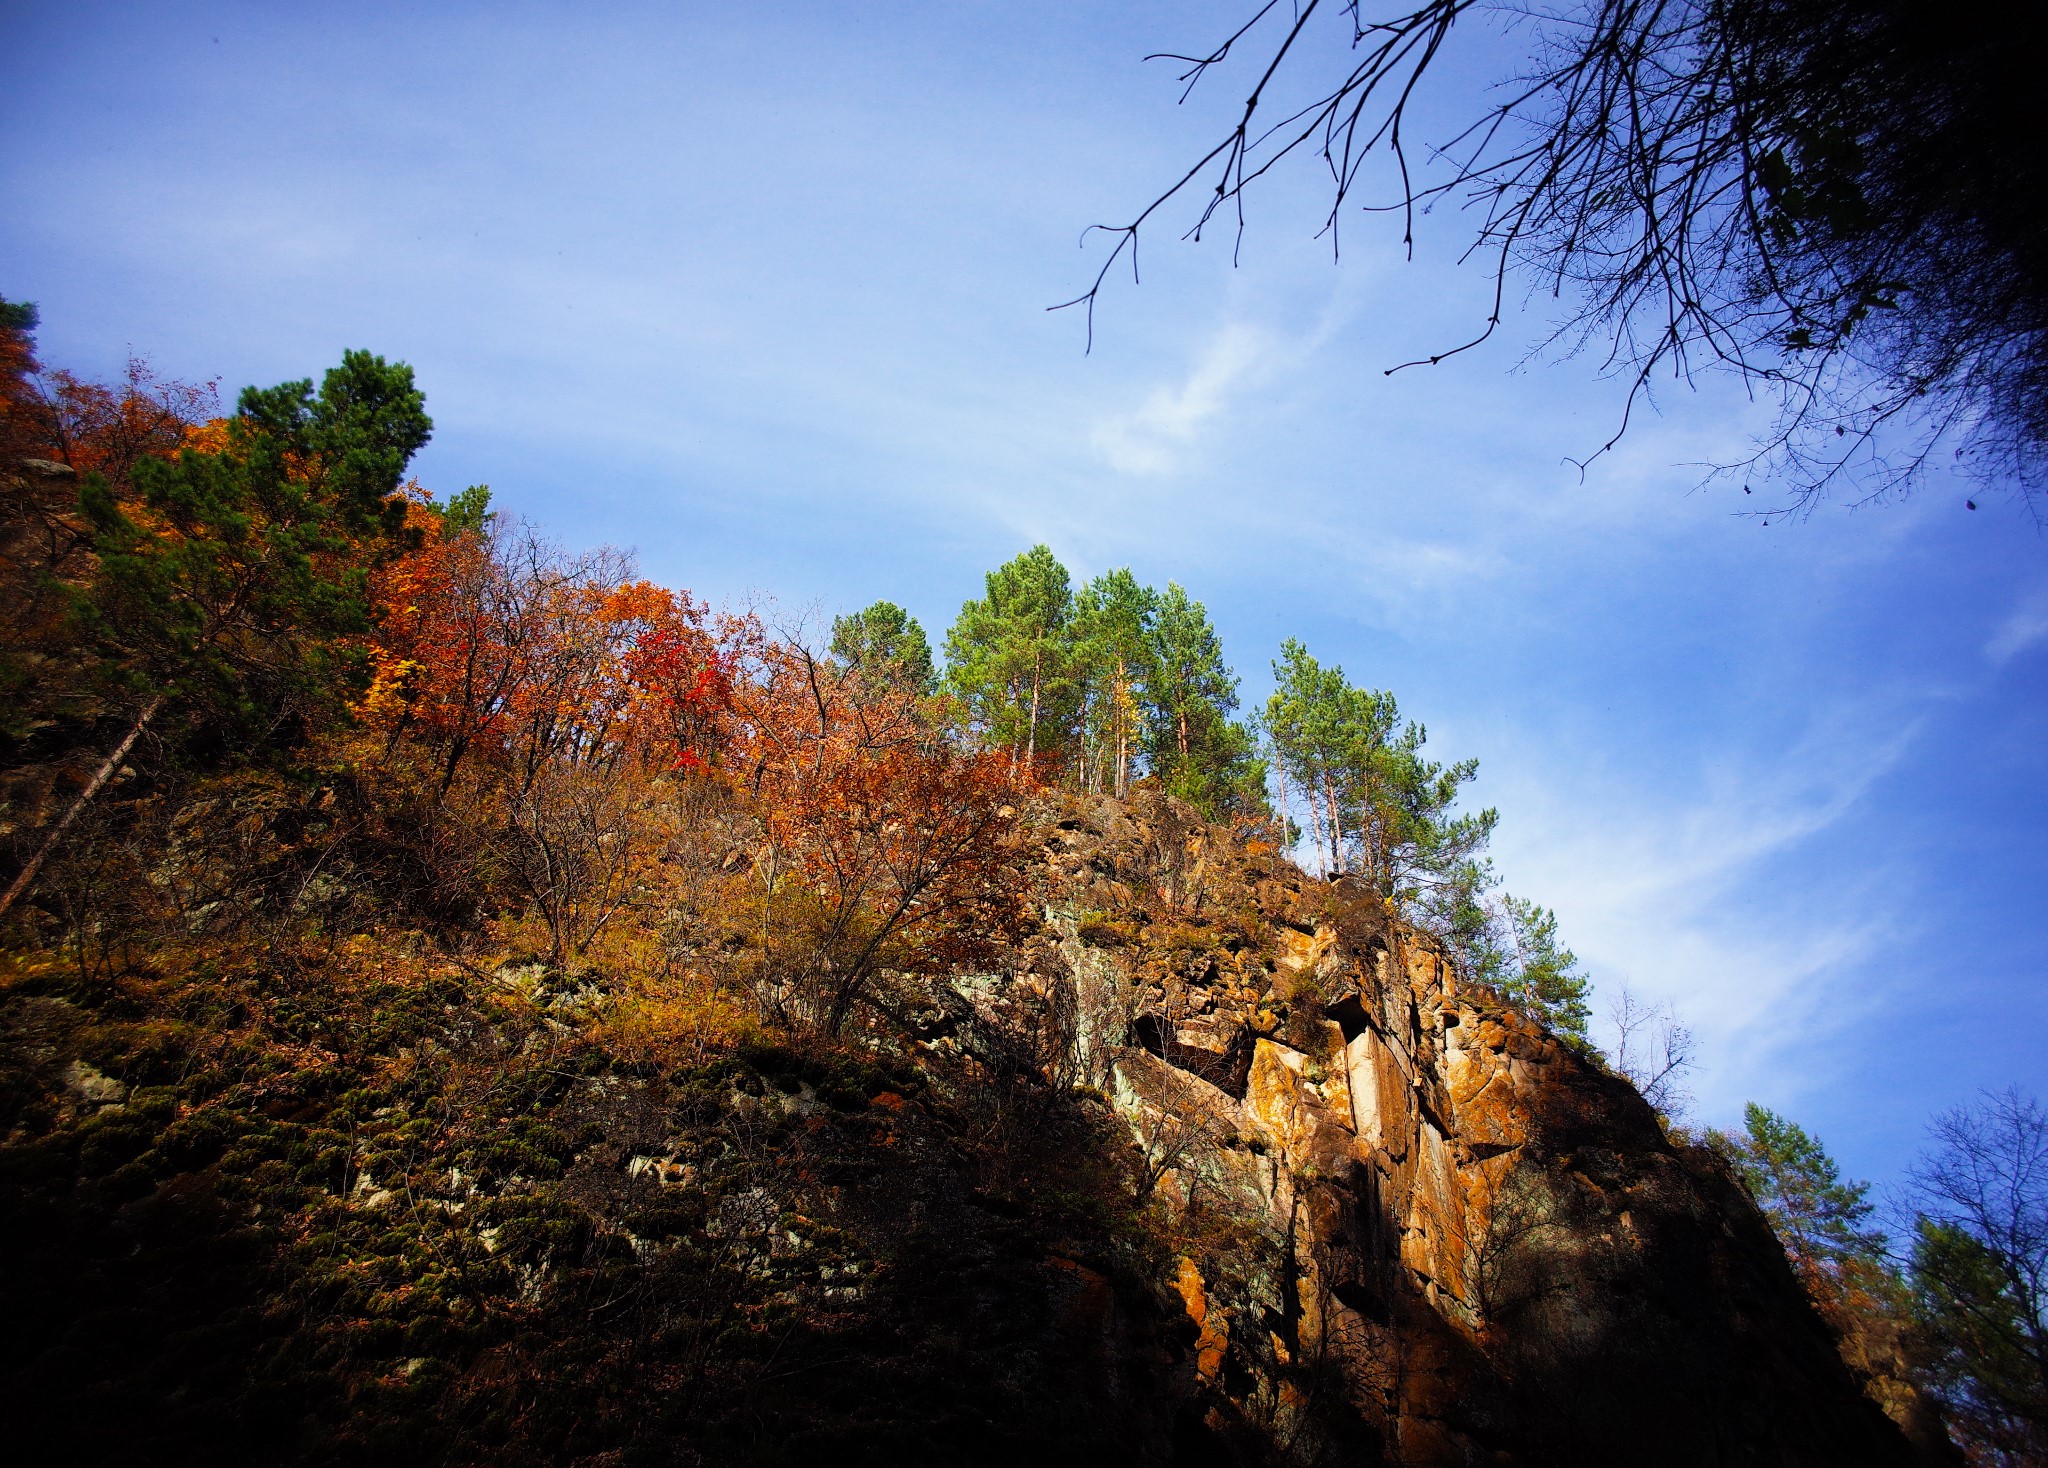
pixel 1451 1238
pixel 1223 1167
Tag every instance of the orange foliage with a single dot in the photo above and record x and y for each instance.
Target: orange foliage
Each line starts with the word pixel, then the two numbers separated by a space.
pixel 93 427
pixel 888 844
pixel 106 429
pixel 566 707
pixel 503 649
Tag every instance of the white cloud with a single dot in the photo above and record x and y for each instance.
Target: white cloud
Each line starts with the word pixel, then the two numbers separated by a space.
pixel 1708 899
pixel 2024 626
pixel 1151 438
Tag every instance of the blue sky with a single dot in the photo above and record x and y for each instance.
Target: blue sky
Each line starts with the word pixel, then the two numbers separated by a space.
pixel 761 290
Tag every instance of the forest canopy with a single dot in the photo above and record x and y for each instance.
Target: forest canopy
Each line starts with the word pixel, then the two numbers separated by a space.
pixel 266 589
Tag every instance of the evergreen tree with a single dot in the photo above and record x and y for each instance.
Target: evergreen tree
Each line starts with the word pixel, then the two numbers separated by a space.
pixel 1511 944
pixel 1007 656
pixel 1377 806
pixel 469 512
pixel 1307 720
pixel 1112 647
pixel 1411 845
pixel 245 565
pixel 1195 749
pixel 1546 979
pixel 1822 1220
pixel 235 584
pixel 1980 1273
pixel 885 641
pixel 1988 1353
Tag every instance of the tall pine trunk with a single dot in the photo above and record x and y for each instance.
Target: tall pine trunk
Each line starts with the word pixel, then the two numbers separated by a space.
pixel 1336 825
pixel 1280 767
pixel 26 877
pixel 1013 748
pixel 1031 739
pixel 1315 815
pixel 1123 732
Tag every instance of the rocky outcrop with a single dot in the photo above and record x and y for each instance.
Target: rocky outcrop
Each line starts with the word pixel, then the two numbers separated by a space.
pixel 1418 1228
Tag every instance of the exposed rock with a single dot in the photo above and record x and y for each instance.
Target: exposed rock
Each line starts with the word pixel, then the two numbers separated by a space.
pixel 92 1088
pixel 1454 1238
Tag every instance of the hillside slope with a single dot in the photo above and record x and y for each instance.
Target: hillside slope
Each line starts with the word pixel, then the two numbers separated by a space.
pixel 1221 1167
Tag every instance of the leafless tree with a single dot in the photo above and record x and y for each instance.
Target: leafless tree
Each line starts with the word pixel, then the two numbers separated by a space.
pixel 1980 1267
pixel 1174 1126
pixel 1815 195
pixel 573 838
pixel 1653 1049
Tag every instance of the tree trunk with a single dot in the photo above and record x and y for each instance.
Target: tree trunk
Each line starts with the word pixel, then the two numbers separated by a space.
pixel 1336 825
pixel 1012 704
pixel 26 877
pixel 1315 817
pixel 1280 768
pixel 1031 739
pixel 1123 757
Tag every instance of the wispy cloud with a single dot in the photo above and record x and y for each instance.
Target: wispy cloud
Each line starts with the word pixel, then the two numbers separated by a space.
pixel 1709 897
pixel 2025 626
pixel 1153 438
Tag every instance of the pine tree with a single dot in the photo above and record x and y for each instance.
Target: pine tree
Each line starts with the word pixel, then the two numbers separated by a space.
pixel 1377 806
pixel 244 566
pixel 1007 657
pixel 235 584
pixel 1112 646
pixel 1195 749
pixel 1822 1220
pixel 1510 944
pixel 1543 977
pixel 1306 719
pixel 1980 1272
pixel 885 641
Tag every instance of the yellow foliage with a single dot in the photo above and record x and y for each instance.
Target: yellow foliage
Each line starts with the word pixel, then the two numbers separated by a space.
pixel 392 684
pixel 210 437
pixel 679 1021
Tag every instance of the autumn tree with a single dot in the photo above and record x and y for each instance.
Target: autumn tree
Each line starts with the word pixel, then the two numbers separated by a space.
pixel 885 845
pixel 541 697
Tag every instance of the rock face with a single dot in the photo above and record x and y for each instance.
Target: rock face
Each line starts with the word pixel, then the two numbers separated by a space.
pixel 1418 1228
